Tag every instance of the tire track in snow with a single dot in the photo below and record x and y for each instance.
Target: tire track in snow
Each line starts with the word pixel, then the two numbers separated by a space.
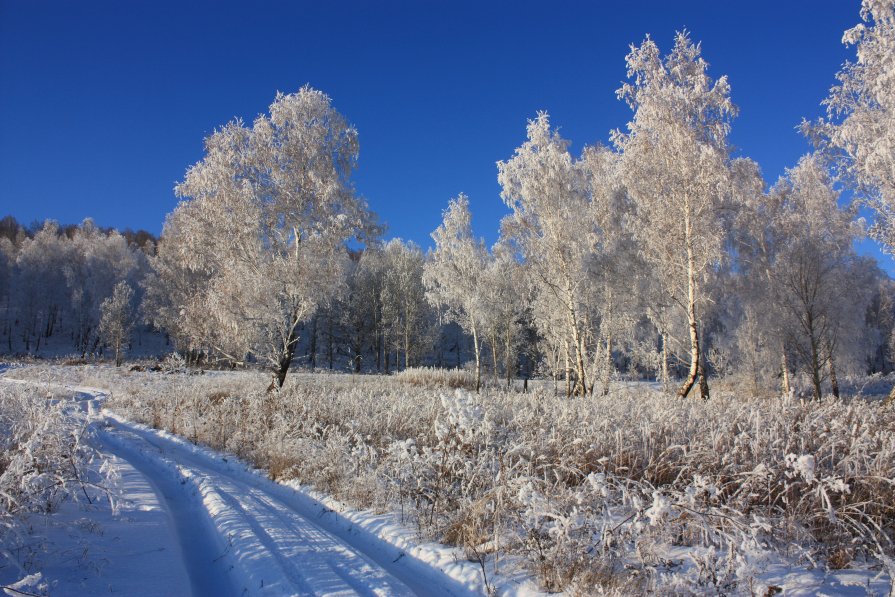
pixel 353 575
pixel 295 571
pixel 369 571
pixel 208 575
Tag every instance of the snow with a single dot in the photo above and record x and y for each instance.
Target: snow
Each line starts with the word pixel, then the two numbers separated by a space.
pixel 117 547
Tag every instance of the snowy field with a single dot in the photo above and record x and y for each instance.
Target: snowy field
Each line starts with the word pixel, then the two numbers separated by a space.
pixel 375 476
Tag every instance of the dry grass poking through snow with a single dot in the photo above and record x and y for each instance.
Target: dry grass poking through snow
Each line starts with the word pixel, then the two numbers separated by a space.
pixel 634 490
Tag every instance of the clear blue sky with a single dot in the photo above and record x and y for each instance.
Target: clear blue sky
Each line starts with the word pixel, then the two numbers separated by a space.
pixel 105 104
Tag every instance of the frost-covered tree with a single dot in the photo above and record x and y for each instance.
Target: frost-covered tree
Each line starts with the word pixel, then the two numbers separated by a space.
pixel 97 262
pixel 756 337
pixel 56 277
pixel 117 318
pixel 617 271
pixel 675 168
pixel 406 310
pixel 362 315
pixel 880 326
pixel 816 276
pixel 7 268
pixel 172 301
pixel 859 132
pixel 40 286
pixel 553 228
pixel 507 300
pixel 272 206
pixel 454 271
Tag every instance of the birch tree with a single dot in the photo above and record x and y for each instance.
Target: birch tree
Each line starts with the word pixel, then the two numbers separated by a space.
pixel 360 311
pixel 40 285
pixel 675 168
pixel 820 285
pixel 272 208
pixel 506 302
pixel 760 338
pixel 96 263
pixel 173 297
pixel 404 296
pixel 615 266
pixel 454 271
pixel 117 319
pixel 554 231
pixel 7 269
pixel 859 131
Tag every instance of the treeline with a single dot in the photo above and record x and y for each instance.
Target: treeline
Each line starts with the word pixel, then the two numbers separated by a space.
pixel 57 283
pixel 662 255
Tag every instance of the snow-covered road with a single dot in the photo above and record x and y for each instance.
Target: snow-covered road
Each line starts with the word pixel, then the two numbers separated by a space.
pixel 192 521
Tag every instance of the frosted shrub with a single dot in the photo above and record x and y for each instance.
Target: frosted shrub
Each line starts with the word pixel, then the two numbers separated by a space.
pixel 173 363
pixel 41 462
pixel 33 449
pixel 464 464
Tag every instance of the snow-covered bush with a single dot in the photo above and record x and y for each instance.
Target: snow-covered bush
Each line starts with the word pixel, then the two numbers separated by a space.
pixel 173 363
pixel 41 459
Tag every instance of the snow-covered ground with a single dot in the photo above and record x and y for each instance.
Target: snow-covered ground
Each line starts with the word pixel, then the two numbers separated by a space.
pixel 173 518
pixel 176 519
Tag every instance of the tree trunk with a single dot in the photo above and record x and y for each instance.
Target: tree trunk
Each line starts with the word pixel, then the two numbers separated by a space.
pixel 703 381
pixel 578 339
pixel 834 382
pixel 693 373
pixel 312 347
pixel 554 366
pixel 607 366
pixel 685 388
pixel 507 362
pixel 330 341
pixel 406 343
pixel 478 360
pixel 377 346
pixel 596 368
pixel 815 360
pixel 665 376
pixel 494 355
pixel 285 360
pixel 581 382
pixel 568 369
pixel 784 365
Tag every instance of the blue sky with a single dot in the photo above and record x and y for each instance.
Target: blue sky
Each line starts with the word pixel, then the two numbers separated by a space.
pixel 105 104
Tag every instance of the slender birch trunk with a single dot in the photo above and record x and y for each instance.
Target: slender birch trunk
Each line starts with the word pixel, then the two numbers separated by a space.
pixel 685 388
